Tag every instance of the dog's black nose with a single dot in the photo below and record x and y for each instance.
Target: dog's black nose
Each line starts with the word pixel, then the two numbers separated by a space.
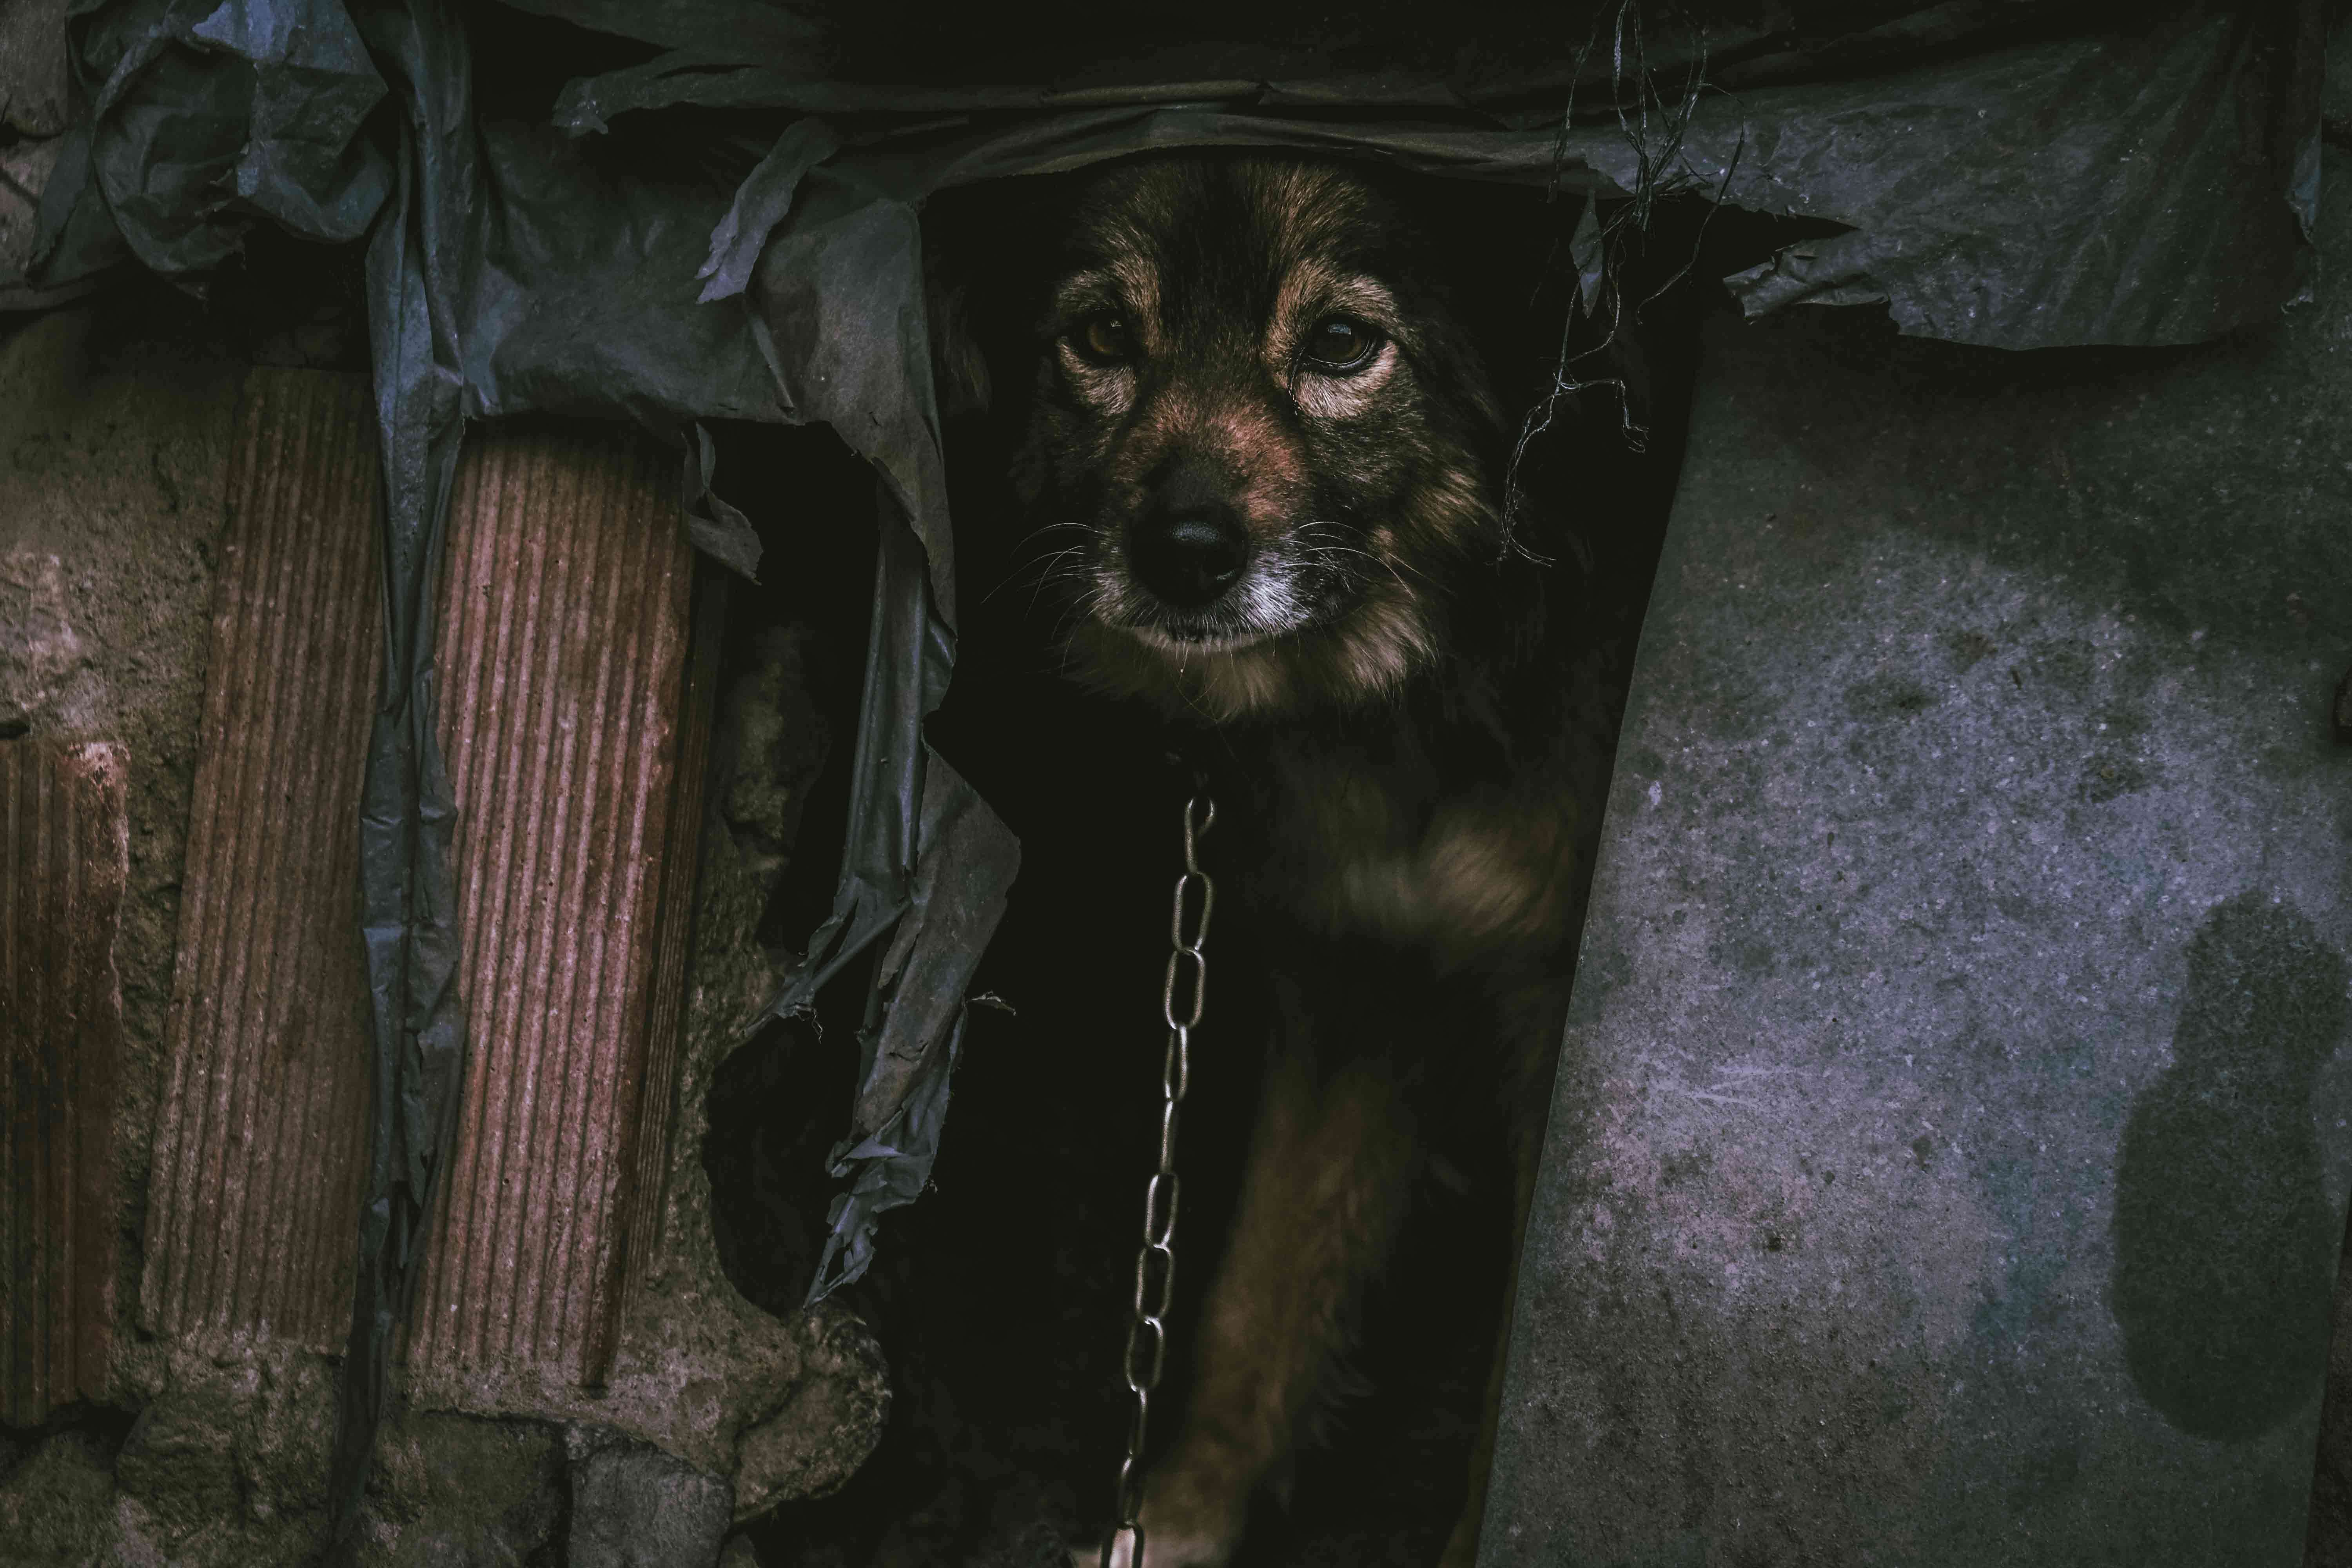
pixel 1189 545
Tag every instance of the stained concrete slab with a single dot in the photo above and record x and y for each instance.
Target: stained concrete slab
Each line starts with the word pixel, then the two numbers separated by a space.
pixel 1950 1154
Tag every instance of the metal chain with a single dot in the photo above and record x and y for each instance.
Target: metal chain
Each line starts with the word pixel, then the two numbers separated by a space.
pixel 1155 1263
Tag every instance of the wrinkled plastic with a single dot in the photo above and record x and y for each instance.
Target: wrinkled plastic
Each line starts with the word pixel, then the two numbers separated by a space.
pixel 2069 192
pixel 205 117
pixel 2035 192
pixel 907 1061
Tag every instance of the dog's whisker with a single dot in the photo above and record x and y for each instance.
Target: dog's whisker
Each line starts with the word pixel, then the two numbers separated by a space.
pixel 1054 570
pixel 1395 566
pixel 1324 551
pixel 1064 526
pixel 1043 570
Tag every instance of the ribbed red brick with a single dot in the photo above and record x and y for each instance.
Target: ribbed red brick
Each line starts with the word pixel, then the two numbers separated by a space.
pixel 565 605
pixel 64 859
pixel 564 614
pixel 253 1194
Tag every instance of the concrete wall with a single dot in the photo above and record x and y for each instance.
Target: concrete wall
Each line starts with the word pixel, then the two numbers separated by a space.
pixel 1950 1155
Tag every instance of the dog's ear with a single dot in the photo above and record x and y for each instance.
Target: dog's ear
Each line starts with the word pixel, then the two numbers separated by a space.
pixel 959 366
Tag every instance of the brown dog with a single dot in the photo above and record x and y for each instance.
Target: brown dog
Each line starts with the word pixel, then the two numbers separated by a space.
pixel 1272 453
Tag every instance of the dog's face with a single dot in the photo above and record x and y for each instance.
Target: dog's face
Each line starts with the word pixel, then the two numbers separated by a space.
pixel 1260 440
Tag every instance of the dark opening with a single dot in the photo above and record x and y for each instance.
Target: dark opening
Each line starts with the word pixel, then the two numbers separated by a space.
pixel 1001 1297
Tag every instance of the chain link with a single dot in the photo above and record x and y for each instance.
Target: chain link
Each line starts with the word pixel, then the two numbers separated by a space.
pixel 1181 998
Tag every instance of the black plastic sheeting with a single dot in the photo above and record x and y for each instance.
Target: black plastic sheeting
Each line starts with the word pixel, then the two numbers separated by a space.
pixel 1997 184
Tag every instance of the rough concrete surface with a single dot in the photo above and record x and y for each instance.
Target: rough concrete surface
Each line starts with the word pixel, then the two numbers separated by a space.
pixel 1950 1161
pixel 33 66
pixel 2328 1540
pixel 2336 82
pixel 25 171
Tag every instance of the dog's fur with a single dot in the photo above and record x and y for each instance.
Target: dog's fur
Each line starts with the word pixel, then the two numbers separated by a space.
pixel 1402 738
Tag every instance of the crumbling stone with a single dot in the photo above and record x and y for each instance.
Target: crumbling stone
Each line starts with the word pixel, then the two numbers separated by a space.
pixel 634 1506
pixel 57 1503
pixel 826 1426
pixel 180 1466
pixel 24 172
pixel 773 744
pixel 226 1464
pixel 456 1492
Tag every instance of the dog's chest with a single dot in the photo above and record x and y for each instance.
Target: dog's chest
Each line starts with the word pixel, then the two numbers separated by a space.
pixel 1477 877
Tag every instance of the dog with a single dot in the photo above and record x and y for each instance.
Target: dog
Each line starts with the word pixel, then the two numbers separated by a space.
pixel 1271 451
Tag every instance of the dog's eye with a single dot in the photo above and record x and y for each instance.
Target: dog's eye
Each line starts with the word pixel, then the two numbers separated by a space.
pixel 1106 338
pixel 1341 343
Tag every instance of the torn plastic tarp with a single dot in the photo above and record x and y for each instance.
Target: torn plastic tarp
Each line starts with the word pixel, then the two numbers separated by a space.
pixel 2137 189
pixel 2126 190
pixel 907 1062
pixel 415 269
pixel 834 264
pixel 203 118
pixel 1514 66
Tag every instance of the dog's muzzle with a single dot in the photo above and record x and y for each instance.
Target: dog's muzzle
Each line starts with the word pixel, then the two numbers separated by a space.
pixel 1188 546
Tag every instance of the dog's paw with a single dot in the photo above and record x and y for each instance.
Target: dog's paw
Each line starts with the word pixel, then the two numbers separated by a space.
pixel 1195 1505
pixel 1160 1550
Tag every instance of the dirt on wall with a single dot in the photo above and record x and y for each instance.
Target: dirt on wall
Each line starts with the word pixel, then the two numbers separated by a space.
pixel 111 458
